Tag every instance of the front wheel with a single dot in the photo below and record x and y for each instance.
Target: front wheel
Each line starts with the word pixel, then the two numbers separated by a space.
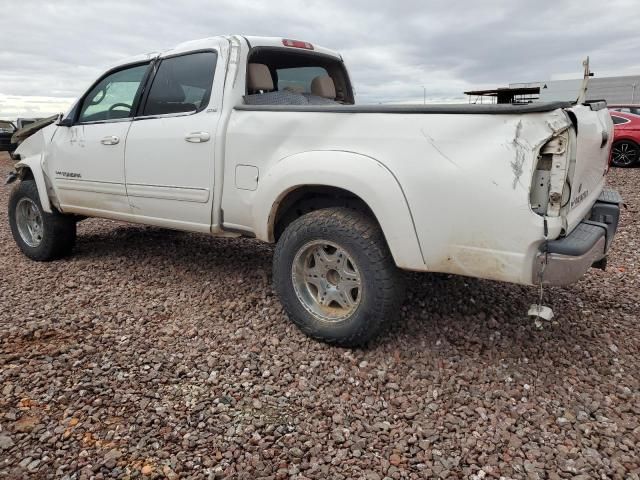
pixel 625 153
pixel 335 276
pixel 40 235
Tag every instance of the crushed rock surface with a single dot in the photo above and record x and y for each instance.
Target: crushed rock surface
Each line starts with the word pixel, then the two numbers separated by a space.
pixel 159 354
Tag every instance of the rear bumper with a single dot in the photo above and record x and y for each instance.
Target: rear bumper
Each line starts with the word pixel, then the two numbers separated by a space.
pixel 566 260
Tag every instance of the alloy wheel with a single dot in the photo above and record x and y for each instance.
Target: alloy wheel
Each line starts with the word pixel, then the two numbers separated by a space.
pixel 29 222
pixel 624 154
pixel 326 280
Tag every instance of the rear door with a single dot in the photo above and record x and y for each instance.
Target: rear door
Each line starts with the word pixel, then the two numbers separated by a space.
pixel 170 145
pixel 87 158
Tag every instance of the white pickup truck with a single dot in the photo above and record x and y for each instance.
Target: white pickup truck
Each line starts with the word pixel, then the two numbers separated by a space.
pixel 261 137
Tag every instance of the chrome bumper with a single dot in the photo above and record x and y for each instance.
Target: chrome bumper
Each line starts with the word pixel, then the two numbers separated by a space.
pixel 565 260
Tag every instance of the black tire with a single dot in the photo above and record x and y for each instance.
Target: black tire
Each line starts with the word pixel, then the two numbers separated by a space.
pixel 58 235
pixel 360 237
pixel 625 153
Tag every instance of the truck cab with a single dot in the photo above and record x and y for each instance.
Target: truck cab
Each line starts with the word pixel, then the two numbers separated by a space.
pixel 168 108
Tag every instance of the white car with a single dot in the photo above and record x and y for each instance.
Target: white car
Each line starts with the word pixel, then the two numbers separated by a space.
pixel 260 137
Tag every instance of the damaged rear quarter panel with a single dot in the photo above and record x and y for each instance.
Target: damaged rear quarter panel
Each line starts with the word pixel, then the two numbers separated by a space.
pixel 473 213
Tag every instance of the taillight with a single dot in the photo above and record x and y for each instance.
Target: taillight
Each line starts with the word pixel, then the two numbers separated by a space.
pixel 549 189
pixel 297 44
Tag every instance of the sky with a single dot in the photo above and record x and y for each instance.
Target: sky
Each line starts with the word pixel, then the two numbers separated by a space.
pixel 396 51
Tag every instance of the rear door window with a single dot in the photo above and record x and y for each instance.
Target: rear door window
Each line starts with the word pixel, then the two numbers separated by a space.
pixel 298 79
pixel 182 84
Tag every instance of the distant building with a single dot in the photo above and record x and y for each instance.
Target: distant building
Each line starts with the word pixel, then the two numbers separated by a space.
pixel 508 94
pixel 612 89
pixel 615 90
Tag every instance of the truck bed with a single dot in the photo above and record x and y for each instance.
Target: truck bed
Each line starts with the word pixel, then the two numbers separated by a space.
pixel 463 171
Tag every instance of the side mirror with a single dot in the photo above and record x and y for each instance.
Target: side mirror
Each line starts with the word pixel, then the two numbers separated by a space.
pixel 65 122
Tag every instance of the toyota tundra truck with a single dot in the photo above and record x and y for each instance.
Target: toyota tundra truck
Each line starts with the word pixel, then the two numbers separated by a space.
pixel 261 137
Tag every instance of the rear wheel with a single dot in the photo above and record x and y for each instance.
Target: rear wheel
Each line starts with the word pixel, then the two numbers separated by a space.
pixel 335 276
pixel 40 235
pixel 625 153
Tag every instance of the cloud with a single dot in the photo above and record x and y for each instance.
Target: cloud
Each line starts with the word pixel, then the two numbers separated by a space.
pixel 31 106
pixel 395 51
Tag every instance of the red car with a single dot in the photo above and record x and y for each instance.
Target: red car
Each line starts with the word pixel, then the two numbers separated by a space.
pixel 625 151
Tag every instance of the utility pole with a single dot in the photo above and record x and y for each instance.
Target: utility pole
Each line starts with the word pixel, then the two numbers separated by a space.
pixel 424 95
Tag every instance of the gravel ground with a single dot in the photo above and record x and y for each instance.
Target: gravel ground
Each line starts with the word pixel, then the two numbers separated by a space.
pixel 163 354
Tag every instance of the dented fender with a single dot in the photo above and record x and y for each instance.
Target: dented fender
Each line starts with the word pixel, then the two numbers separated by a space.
pixel 32 157
pixel 33 163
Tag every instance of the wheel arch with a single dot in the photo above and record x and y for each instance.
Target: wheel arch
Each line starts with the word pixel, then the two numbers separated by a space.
pixel 29 168
pixel 348 179
pixel 303 199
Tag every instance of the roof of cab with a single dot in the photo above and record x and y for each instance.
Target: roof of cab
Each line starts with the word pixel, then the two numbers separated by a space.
pixel 199 44
pixel 253 41
pixel 278 42
pixel 212 42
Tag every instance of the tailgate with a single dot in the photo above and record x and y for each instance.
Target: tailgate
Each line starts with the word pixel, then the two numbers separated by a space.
pixel 586 175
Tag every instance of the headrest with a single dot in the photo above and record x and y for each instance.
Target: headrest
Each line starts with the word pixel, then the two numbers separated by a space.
pixel 323 86
pixel 259 77
pixel 172 92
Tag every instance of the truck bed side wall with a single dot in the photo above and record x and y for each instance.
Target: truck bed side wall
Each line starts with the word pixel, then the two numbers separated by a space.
pixel 463 181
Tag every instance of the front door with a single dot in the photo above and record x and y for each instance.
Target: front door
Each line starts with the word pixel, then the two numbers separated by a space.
pixel 170 145
pixel 87 159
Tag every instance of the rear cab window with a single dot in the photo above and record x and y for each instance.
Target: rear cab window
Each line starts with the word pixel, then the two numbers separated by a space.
pixel 298 79
pixel 293 73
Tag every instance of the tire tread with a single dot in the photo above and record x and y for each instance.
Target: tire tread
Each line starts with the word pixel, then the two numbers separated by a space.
pixel 364 232
pixel 59 230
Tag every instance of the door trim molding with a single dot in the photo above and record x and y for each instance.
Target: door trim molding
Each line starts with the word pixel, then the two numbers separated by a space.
pixel 168 192
pixel 93 186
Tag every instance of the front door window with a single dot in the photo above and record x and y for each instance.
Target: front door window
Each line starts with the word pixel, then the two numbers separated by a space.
pixel 113 97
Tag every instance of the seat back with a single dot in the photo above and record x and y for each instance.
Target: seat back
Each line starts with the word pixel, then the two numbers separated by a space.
pixel 259 78
pixel 323 86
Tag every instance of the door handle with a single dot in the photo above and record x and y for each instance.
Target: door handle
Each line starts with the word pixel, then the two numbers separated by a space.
pixel 197 137
pixel 110 140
